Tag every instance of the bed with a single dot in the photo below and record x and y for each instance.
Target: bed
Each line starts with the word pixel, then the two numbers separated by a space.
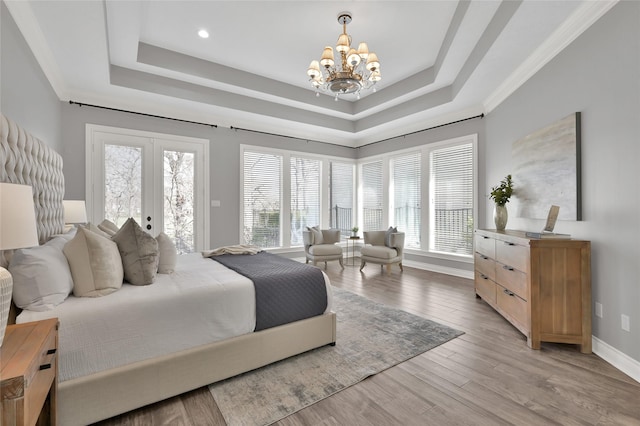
pixel 98 379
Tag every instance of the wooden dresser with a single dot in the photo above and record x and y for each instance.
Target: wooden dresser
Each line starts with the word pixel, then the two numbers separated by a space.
pixel 541 286
pixel 28 373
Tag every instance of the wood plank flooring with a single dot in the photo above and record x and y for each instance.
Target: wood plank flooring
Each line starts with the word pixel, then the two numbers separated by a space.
pixel 488 376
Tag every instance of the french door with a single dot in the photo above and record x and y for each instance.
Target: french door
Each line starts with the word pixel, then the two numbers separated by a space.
pixel 159 180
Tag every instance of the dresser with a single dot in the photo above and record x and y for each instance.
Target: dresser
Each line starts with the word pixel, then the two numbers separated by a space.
pixel 541 286
pixel 28 376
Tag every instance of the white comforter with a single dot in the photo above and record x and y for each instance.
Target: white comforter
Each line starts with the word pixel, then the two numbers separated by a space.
pixel 202 302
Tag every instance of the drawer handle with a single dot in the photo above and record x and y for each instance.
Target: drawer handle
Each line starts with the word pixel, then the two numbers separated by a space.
pixel 485 238
pixel 508 268
pixel 45 366
pixel 509 244
pixel 51 351
pixel 507 292
pixel 484 277
pixel 483 257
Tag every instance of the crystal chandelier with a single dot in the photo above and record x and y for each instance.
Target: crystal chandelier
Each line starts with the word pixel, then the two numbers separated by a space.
pixel 356 70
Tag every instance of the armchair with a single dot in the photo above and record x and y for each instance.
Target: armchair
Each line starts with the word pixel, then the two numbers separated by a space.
pixel 376 251
pixel 319 245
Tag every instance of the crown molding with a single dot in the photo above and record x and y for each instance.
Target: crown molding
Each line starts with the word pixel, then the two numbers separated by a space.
pixel 581 19
pixel 27 23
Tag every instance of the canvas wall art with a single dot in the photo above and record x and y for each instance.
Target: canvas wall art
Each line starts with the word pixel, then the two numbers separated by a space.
pixel 546 166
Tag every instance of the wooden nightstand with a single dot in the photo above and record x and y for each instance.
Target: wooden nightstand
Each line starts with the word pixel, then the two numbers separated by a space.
pixel 29 373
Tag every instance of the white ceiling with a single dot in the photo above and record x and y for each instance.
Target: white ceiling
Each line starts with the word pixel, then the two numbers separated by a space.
pixel 441 61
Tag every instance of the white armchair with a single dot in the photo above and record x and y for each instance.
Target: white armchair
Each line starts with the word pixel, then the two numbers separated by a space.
pixel 319 245
pixel 376 251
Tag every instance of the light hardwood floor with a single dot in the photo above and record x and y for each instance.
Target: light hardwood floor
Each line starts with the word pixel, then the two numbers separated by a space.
pixel 488 376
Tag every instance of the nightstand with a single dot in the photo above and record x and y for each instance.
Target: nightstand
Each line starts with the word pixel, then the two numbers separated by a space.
pixel 29 373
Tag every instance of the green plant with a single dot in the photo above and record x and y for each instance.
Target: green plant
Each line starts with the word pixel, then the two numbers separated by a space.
pixel 501 193
pixel 355 229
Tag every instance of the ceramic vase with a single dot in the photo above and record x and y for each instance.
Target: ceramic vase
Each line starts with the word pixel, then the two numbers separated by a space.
pixel 500 217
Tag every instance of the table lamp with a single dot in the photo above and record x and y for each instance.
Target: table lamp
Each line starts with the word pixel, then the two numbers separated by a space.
pixel 75 212
pixel 17 230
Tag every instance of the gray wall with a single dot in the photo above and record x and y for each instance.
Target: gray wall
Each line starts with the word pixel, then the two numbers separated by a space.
pixel 224 161
pixel 25 93
pixel 599 75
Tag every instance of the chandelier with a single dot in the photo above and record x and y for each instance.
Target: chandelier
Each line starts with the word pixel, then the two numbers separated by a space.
pixel 356 69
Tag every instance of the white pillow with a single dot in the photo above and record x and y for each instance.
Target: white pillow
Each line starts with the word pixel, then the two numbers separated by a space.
pixel 168 254
pixel 108 227
pixel 93 228
pixel 95 264
pixel 41 276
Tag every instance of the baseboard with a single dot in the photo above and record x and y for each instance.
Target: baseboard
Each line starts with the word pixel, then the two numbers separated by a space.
pixel 619 360
pixel 438 268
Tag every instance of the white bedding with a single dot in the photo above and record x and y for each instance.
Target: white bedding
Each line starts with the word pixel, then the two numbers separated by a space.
pixel 202 302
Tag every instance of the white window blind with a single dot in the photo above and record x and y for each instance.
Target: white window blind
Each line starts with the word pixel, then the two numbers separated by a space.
pixel 341 196
pixel 406 197
pixel 305 196
pixel 262 194
pixel 451 210
pixel 372 196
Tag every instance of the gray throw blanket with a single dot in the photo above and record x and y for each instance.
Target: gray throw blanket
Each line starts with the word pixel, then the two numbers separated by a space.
pixel 286 290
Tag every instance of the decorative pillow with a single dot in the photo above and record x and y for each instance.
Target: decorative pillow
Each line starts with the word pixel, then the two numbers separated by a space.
pixel 93 228
pixel 168 254
pixel 41 276
pixel 387 236
pixel 108 227
pixel 139 252
pixel 95 264
pixel 317 234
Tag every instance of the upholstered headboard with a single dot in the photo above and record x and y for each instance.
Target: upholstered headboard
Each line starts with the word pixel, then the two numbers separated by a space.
pixel 26 160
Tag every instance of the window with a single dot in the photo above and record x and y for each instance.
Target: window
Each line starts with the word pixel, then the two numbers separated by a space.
pixel 305 196
pixel 262 192
pixel 341 211
pixel 281 195
pixel 406 196
pixel 451 209
pixel 372 196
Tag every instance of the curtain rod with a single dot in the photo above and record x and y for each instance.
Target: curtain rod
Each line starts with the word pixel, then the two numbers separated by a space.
pixel 290 137
pixel 424 130
pixel 80 104
pixel 276 134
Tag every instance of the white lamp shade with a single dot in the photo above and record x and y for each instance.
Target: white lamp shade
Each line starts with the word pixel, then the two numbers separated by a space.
pixel 74 211
pixel 372 62
pixel 327 57
pixel 363 50
pixel 17 217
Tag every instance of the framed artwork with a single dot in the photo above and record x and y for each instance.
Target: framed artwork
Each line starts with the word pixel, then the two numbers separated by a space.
pixel 546 166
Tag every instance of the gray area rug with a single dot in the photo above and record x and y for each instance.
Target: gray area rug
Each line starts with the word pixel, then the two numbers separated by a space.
pixel 370 338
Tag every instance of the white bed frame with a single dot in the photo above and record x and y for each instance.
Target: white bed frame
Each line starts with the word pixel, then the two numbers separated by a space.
pixel 106 394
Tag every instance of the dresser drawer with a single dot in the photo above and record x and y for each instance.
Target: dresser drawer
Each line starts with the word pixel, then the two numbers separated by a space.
pixel 514 308
pixel 513 255
pixel 485 265
pixel 512 279
pixel 485 288
pixel 486 246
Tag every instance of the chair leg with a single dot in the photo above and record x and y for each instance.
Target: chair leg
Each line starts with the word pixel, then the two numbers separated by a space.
pixel 388 269
pixel 362 263
pixel 307 260
pixel 325 265
pixel 402 270
pixel 341 264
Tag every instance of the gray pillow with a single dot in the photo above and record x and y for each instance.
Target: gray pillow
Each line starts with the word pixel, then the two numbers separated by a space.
pixel 317 235
pixel 139 253
pixel 387 236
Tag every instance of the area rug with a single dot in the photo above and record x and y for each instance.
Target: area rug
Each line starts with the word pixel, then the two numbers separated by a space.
pixel 370 338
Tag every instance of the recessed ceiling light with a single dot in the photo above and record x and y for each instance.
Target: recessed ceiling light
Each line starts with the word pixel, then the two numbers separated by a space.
pixel 203 34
